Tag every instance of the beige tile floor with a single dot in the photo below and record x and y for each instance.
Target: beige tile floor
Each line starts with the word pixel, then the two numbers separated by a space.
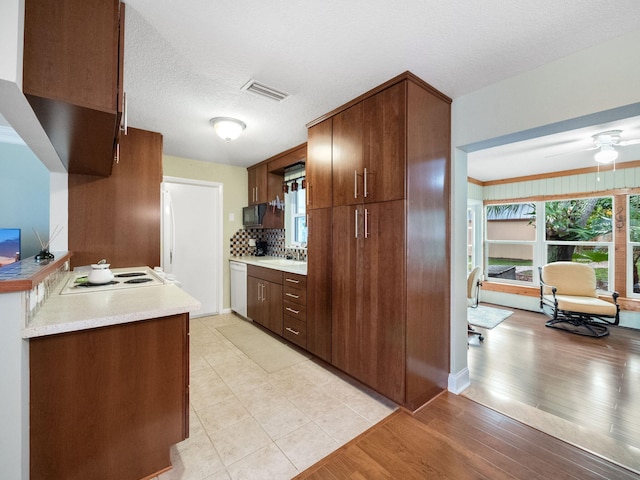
pixel 248 422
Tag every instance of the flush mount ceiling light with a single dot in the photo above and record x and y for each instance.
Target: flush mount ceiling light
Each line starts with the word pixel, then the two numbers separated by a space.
pixel 606 154
pixel 227 128
pixel 605 144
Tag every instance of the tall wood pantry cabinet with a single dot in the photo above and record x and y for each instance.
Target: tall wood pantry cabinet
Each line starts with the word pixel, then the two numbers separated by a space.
pixel 319 242
pixel 389 276
pixel 118 217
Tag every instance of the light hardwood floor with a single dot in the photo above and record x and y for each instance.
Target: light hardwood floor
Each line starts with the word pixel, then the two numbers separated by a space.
pixel 578 381
pixel 581 389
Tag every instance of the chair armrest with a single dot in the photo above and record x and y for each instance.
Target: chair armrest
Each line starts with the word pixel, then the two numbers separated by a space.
pixel 554 289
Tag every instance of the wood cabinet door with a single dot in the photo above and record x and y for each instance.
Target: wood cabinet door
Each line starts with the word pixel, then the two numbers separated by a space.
pixel 319 165
pixel 254 299
pixel 109 402
pixel 384 117
pixel 348 350
pixel 272 307
pixel 382 274
pixel 118 217
pixel 257 179
pixel 71 51
pixel 319 260
pixel 347 157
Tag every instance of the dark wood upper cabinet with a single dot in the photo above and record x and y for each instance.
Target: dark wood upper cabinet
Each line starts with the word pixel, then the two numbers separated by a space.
pixel 72 77
pixel 318 167
pixel 384 118
pixel 257 184
pixel 347 156
pixel 265 180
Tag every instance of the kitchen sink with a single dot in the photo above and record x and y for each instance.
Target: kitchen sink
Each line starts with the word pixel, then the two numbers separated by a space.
pixel 282 261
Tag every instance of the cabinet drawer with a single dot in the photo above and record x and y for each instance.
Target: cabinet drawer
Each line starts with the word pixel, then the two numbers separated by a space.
pixel 295 330
pixel 295 295
pixel 294 310
pixel 295 280
pixel 268 274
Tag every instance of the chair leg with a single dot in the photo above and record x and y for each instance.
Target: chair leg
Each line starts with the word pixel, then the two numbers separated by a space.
pixel 578 325
pixel 473 331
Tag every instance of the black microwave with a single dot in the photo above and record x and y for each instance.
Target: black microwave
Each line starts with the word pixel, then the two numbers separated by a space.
pixel 253 214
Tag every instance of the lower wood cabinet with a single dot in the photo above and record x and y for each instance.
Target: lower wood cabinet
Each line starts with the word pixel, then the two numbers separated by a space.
pixel 109 402
pixel 294 301
pixel 264 297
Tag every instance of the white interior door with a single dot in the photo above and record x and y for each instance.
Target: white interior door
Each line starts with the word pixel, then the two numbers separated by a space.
pixel 191 246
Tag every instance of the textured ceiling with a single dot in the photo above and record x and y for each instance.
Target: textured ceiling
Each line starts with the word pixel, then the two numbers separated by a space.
pixel 186 61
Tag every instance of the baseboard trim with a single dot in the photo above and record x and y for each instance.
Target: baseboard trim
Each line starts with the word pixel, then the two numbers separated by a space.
pixel 460 381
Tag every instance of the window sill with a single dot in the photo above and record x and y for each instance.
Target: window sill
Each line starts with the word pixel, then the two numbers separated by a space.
pixel 629 304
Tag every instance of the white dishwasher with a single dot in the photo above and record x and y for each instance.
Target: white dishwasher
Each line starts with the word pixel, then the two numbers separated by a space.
pixel 238 287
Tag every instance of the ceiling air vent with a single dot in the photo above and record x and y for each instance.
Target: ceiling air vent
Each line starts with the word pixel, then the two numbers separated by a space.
pixel 264 91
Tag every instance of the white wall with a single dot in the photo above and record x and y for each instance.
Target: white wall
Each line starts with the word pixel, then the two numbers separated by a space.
pixel 11 28
pixel 14 390
pixel 561 95
pixel 59 211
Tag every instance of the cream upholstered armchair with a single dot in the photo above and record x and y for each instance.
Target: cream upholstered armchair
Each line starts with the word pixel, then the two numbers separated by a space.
pixel 568 296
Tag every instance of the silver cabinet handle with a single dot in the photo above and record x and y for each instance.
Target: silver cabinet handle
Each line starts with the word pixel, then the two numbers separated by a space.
pixel 292 331
pixel 366 193
pixel 356 215
pixel 292 295
pixel 291 280
pixel 125 117
pixel 366 223
pixel 355 184
pixel 292 310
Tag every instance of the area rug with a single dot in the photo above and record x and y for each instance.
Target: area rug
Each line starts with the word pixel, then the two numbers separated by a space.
pixel 271 354
pixel 486 317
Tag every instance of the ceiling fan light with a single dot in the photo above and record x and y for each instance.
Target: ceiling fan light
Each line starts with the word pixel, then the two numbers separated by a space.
pixel 227 128
pixel 606 154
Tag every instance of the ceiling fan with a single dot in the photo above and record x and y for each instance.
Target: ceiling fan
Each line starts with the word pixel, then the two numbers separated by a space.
pixel 605 143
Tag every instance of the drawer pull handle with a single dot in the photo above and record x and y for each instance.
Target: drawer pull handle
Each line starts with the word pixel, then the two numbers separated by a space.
pixel 292 310
pixel 292 331
pixel 292 280
pixel 292 295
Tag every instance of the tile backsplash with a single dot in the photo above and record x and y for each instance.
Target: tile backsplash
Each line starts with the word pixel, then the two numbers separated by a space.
pixel 239 243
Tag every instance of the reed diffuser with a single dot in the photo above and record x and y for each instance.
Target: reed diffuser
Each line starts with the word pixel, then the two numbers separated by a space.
pixel 44 254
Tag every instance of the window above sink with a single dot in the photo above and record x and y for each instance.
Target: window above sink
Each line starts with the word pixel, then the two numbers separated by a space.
pixel 295 220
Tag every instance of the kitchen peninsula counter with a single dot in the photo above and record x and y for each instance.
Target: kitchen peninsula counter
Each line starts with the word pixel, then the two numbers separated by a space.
pixel 82 311
pixel 108 379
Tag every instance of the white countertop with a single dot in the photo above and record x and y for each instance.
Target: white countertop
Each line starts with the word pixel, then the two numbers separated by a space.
pixel 275 263
pixel 69 313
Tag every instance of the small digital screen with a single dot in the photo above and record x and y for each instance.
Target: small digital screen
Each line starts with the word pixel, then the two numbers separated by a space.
pixel 9 245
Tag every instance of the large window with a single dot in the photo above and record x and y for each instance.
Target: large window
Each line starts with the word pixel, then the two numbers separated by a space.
pixel 574 230
pixel 510 241
pixel 295 208
pixel 633 262
pixel 580 230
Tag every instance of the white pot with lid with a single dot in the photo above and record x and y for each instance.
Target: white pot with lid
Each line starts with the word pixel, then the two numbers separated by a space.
pixel 100 274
